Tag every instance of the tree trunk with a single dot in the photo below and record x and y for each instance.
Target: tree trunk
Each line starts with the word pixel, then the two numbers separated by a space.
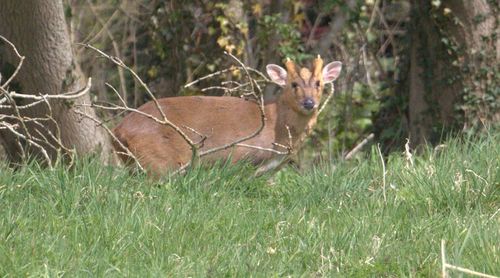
pixel 432 91
pixel 473 28
pixel 39 31
pixel 449 51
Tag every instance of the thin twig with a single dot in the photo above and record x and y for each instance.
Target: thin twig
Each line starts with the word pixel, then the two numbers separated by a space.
pixel 220 72
pixel 263 149
pixel 373 16
pixel 31 142
pixel 330 95
pixel 116 49
pixel 165 120
pixel 262 112
pixel 70 95
pixel 19 65
pixel 113 136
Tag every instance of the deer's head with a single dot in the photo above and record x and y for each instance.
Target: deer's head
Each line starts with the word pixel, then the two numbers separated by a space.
pixel 302 89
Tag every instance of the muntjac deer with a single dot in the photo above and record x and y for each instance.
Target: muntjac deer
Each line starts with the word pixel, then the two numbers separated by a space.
pixel 223 120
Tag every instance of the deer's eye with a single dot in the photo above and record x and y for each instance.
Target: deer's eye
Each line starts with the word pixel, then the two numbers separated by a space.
pixel 295 85
pixel 318 84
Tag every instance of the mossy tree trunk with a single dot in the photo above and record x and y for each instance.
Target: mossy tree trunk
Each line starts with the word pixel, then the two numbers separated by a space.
pixel 473 30
pixel 451 78
pixel 39 31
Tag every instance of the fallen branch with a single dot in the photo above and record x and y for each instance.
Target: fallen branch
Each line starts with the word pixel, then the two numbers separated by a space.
pixel 358 147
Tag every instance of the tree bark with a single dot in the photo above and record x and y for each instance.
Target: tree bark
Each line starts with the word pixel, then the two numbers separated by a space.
pixel 39 31
pixel 447 51
pixel 475 31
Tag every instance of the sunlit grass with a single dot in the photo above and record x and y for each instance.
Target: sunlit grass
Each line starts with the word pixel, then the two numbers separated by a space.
pixel 101 221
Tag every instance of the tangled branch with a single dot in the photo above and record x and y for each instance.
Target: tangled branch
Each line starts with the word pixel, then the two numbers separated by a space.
pixel 16 123
pixel 251 87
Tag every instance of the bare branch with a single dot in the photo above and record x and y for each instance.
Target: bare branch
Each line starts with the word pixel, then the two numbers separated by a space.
pixel 330 95
pixel 358 147
pixel 265 149
pixel 261 107
pixel 70 95
pixel 220 72
pixel 30 141
pixel 41 137
pixel 19 65
pixel 117 61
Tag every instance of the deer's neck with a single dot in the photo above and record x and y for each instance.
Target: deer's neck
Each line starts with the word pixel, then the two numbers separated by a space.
pixel 280 116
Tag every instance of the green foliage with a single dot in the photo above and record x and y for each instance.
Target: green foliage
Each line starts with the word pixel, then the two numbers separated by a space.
pixel 290 43
pixel 101 221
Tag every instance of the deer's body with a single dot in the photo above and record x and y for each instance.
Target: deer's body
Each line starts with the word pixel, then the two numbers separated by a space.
pixel 222 120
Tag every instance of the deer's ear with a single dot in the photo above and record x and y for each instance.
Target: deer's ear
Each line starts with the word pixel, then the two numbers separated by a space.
pixel 277 74
pixel 331 71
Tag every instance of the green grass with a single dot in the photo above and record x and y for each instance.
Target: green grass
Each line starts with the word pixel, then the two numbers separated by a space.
pixel 101 221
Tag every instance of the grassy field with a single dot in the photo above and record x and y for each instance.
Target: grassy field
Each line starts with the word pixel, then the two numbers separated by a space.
pixel 327 221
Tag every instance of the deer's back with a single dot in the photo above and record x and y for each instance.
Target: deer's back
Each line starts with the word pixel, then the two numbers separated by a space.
pixel 221 119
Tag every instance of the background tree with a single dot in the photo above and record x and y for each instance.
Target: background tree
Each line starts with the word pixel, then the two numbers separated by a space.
pixel 38 29
pixel 451 79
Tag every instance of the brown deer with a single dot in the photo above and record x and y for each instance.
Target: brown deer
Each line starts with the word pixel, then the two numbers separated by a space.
pixel 223 120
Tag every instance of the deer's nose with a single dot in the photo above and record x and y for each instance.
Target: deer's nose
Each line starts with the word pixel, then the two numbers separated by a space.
pixel 308 103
